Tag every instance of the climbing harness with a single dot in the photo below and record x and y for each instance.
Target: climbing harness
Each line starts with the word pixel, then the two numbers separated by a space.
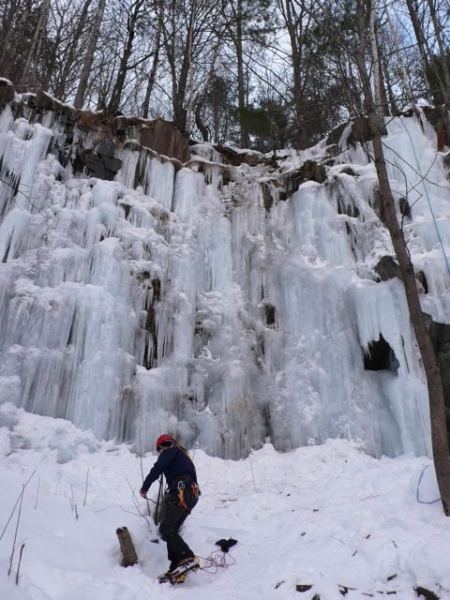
pixel 195 489
pixel 181 502
pixel 181 486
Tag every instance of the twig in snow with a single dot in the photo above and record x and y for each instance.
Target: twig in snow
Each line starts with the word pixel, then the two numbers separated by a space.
pixel 6 399
pixel 136 504
pixel 19 514
pixel 103 509
pixel 86 490
pixel 73 504
pixel 58 481
pixel 20 561
pixel 253 475
pixel 140 459
pixel 15 505
pixel 37 493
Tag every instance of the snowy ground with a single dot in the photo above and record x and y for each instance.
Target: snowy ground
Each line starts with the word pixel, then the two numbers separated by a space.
pixel 326 516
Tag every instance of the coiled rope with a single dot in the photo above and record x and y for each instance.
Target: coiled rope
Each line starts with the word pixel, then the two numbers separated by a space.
pixel 217 560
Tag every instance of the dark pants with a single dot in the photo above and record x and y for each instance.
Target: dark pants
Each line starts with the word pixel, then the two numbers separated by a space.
pixel 173 517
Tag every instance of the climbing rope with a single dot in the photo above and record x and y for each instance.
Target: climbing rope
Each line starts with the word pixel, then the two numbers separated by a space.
pixel 217 560
pixel 427 197
pixel 417 491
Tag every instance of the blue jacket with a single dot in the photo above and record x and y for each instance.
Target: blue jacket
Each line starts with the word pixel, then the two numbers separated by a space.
pixel 175 463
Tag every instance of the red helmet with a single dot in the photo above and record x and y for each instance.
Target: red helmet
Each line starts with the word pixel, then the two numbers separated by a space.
pixel 165 441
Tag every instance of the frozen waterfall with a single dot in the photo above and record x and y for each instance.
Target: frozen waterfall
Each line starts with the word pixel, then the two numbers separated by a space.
pixel 208 300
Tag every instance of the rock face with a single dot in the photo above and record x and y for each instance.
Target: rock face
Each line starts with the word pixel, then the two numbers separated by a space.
pixel 359 132
pixel 162 137
pixel 387 269
pixel 102 163
pixel 165 138
pixel 6 92
pixel 309 171
pixel 438 117
pixel 380 357
pixel 107 133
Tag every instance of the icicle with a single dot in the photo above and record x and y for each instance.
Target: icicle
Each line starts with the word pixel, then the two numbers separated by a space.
pixel 162 301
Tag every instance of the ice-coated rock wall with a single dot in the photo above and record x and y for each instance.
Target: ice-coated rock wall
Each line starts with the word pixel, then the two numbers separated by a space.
pixel 213 301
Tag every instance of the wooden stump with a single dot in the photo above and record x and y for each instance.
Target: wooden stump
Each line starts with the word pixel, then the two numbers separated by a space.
pixel 126 545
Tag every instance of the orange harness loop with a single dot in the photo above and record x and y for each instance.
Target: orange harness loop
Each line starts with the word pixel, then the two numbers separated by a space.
pixel 196 490
pixel 181 501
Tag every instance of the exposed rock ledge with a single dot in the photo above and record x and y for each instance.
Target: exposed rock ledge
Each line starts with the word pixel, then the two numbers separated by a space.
pixel 160 136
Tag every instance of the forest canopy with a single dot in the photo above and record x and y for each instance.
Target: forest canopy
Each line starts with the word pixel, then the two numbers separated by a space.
pixel 258 73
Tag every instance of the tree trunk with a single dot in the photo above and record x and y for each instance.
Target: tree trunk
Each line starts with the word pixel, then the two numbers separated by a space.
pixel 179 80
pixel 89 58
pixel 242 88
pixel 244 135
pixel 421 43
pixel 12 37
pixel 60 89
pixel 434 381
pixel 443 54
pixel 158 514
pixel 127 547
pixel 179 110
pixel 133 19
pixel 404 74
pixel 439 438
pixel 36 47
pixel 199 122
pixel 152 75
pixel 296 25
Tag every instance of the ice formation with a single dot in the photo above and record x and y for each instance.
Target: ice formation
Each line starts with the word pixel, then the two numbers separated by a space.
pixel 215 307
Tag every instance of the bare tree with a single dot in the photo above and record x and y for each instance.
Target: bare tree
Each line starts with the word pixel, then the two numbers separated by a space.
pixel 245 24
pixel 417 12
pixel 89 56
pixel 401 64
pixel 443 51
pixel 189 33
pixel 297 20
pixel 134 15
pixel 236 30
pixel 67 43
pixel 15 15
pixel 151 77
pixel 29 73
pixel 434 381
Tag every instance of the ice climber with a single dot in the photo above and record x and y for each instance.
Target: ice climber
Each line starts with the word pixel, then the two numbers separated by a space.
pixel 179 499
